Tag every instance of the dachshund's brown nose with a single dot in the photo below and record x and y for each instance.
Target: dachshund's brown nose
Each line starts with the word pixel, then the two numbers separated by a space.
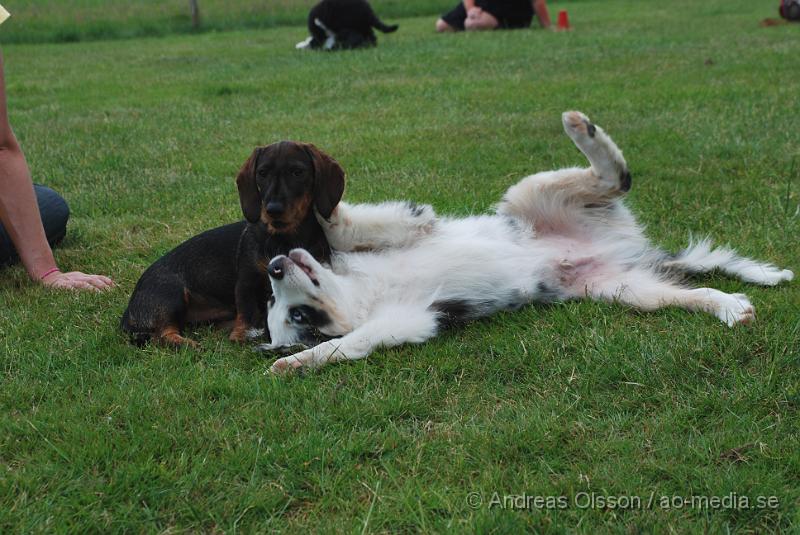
pixel 274 208
pixel 277 268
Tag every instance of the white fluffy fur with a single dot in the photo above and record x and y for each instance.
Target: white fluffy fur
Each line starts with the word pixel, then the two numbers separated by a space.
pixel 377 226
pixel 701 257
pixel 556 235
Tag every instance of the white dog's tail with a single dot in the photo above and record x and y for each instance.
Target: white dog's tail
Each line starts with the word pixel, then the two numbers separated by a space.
pixel 701 257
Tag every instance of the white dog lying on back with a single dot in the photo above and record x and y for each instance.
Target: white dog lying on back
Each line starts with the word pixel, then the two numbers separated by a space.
pixel 556 236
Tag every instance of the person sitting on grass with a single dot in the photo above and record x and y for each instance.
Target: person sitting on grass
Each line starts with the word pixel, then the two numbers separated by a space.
pixel 32 218
pixel 493 14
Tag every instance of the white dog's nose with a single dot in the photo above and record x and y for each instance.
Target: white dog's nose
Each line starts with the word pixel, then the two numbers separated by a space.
pixel 277 267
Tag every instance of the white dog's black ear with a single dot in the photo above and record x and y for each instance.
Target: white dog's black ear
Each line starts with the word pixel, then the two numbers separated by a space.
pixel 329 181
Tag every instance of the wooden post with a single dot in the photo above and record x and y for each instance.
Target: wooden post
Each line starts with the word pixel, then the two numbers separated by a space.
pixel 195 9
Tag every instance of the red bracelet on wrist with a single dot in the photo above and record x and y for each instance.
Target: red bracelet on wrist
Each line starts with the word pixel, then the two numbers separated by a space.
pixel 49 273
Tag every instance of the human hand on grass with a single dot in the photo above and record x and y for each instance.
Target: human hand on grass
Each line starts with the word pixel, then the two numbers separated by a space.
pixel 474 12
pixel 75 280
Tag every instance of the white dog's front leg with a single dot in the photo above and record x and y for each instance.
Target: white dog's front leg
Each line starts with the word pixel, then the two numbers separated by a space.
pixel 391 326
pixel 326 352
pixel 377 226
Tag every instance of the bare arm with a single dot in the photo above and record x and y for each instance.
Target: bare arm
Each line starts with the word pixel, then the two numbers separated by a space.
pixel 18 209
pixel 540 6
pixel 19 213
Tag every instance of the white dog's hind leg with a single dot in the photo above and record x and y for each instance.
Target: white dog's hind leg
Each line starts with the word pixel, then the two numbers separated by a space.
pixel 645 290
pixel 390 326
pixel 560 201
pixel 701 257
pixel 377 226
pixel 552 201
pixel 603 154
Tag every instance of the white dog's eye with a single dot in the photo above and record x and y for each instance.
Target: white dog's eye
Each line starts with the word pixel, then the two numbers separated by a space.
pixel 297 316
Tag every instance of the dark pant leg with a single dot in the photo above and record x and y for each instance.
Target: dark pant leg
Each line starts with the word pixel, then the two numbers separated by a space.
pixel 55 213
pixel 455 17
pixel 509 15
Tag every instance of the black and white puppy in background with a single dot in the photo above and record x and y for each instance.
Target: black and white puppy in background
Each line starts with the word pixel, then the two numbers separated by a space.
pixel 343 24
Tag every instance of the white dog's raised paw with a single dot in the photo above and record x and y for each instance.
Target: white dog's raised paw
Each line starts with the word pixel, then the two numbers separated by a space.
pixel 576 124
pixel 603 154
pixel 735 309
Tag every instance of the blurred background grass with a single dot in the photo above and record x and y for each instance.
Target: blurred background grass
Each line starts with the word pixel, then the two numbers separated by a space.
pixel 59 21
pixel 35 21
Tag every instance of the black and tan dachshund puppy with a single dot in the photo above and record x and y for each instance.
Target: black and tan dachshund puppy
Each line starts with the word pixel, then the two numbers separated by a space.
pixel 220 274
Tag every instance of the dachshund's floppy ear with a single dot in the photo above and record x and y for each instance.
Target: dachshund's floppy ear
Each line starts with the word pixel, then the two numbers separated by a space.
pixel 328 181
pixel 248 189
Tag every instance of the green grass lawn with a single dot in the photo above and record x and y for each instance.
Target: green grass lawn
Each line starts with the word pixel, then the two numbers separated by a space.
pixel 144 138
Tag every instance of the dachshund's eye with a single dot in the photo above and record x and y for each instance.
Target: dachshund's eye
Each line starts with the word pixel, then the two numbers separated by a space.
pixel 297 316
pixel 262 173
pixel 297 172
